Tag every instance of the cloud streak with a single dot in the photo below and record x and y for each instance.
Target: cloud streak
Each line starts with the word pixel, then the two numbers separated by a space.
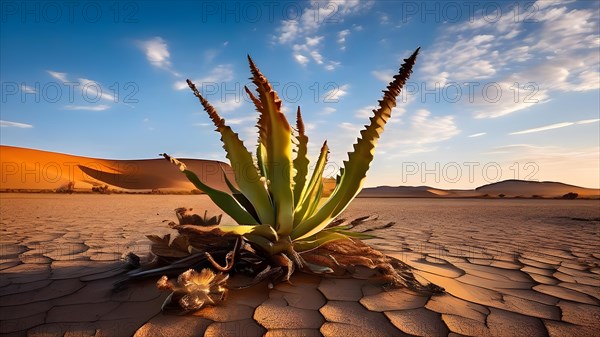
pixel 554 126
pixel 8 124
pixel 91 90
pixel 220 74
pixel 157 53
pixel 58 75
pixel 100 107
pixel 335 94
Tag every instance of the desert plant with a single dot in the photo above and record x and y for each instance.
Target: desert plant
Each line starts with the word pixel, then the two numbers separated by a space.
pixel 276 204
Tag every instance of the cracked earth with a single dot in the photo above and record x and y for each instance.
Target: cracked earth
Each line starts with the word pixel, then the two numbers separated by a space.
pixel 509 267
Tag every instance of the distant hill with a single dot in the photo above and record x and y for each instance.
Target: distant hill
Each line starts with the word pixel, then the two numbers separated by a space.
pixel 502 189
pixel 524 188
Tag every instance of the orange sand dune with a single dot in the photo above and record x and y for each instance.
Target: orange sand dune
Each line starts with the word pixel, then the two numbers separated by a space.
pixel 35 170
pixel 28 169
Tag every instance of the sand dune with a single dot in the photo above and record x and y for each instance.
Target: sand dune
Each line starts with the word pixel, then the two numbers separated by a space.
pixel 26 170
pixel 29 169
pixel 507 188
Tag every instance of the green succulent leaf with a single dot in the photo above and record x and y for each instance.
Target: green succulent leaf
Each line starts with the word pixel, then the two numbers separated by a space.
pixel 263 243
pixel 275 135
pixel 301 161
pixel 246 174
pixel 262 124
pixel 267 232
pixel 240 197
pixel 318 240
pixel 357 165
pixel 224 200
pixel 351 234
pixel 314 204
pixel 310 197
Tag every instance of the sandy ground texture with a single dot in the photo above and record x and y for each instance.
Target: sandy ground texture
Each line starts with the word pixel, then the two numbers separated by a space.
pixel 509 267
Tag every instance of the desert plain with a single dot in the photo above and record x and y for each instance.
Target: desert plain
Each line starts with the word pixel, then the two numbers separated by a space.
pixel 509 267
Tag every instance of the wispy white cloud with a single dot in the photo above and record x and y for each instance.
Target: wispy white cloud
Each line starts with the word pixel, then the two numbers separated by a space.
pixel 367 112
pixel 342 38
pixel 228 105
pixel 241 120
pixel 100 107
pixel 302 33
pixel 301 59
pixel 7 124
pixel 216 80
pixel 554 126
pixel 542 128
pixel 349 126
pixel 538 55
pixel 328 110
pixel 157 53
pixel 313 41
pixel 420 133
pixel 336 93
pixel 92 90
pixel 211 54
pixel 364 112
pixel 202 124
pixel 309 48
pixel 217 76
pixel 332 65
pixel 512 147
pixel 57 75
pixel 477 135
pixel 588 121
pixel 515 148
pixel 423 128
pixel 27 89
pixel 384 76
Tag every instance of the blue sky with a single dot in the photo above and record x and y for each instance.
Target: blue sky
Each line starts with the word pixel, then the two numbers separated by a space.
pixel 501 90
